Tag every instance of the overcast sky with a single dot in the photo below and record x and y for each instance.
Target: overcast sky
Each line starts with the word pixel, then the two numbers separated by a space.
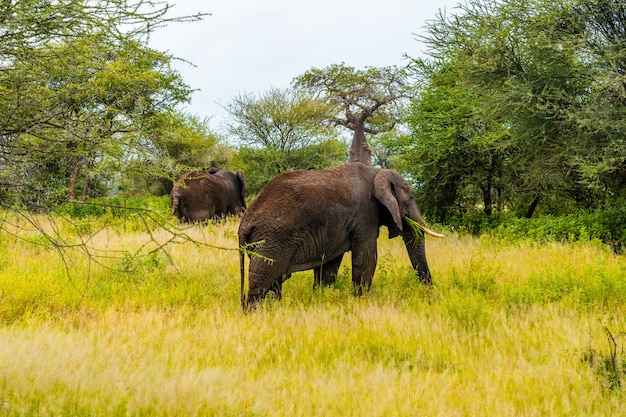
pixel 250 46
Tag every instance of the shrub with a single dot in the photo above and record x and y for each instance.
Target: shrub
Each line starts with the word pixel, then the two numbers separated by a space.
pixel 115 207
pixel 605 226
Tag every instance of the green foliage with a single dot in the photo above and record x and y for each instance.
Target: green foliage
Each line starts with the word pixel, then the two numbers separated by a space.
pixel 279 131
pixel 371 100
pixel 261 165
pixel 456 156
pixel 282 120
pixel 189 141
pixel 349 91
pixel 80 92
pixel 178 143
pixel 520 105
pixel 607 227
pixel 114 207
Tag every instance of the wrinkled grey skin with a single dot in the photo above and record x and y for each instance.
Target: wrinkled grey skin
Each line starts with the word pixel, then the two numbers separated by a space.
pixel 208 194
pixel 309 219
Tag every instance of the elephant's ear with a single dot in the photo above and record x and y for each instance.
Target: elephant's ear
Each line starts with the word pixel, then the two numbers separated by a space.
pixel 383 191
pixel 242 178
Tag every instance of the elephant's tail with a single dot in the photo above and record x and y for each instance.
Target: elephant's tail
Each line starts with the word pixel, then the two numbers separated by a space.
pixel 242 270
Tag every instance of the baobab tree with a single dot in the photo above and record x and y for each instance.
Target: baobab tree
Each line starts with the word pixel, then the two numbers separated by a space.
pixel 366 101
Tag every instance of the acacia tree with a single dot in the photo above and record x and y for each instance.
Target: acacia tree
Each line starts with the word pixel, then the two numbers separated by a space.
pixel 78 85
pixel 109 101
pixel 371 100
pixel 174 143
pixel 599 29
pixel 280 130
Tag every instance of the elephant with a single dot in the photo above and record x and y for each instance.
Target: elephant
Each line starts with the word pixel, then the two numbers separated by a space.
pixel 303 220
pixel 208 194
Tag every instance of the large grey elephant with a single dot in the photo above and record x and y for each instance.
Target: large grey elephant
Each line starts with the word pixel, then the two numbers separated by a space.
pixel 209 193
pixel 309 219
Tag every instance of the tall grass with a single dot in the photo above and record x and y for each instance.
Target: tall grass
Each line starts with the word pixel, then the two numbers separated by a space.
pixel 506 329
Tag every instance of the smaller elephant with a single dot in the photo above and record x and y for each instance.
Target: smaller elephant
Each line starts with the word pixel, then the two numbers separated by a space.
pixel 306 220
pixel 208 194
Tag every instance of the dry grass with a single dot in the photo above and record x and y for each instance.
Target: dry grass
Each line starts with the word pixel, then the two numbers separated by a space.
pixel 506 330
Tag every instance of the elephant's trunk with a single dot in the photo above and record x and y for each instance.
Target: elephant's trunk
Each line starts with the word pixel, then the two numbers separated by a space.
pixel 416 248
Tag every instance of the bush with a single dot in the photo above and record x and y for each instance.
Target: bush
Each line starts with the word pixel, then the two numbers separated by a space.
pixel 476 222
pixel 114 207
pixel 607 226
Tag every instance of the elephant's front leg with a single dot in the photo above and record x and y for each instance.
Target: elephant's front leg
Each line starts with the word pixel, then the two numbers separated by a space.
pixel 326 274
pixel 364 259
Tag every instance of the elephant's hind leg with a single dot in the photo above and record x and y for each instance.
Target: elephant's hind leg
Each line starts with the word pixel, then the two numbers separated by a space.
pixel 326 274
pixel 364 260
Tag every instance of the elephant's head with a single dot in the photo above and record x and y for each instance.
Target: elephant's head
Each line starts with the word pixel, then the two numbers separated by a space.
pixel 404 218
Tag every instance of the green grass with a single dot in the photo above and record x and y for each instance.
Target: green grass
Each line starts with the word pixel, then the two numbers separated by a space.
pixel 524 329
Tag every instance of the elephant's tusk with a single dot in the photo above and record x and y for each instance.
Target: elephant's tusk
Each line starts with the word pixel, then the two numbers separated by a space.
pixel 425 229
pixel 430 232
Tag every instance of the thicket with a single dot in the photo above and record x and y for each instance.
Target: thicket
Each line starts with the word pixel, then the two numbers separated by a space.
pixel 603 226
pixel 519 109
pixel 115 207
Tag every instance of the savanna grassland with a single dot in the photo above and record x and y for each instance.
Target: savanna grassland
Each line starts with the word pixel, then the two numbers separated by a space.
pixel 508 329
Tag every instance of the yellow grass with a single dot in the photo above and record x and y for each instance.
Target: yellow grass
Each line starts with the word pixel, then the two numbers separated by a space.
pixel 507 330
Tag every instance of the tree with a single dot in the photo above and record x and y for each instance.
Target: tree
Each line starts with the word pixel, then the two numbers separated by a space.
pixel 456 156
pixel 365 101
pixel 280 130
pixel 80 97
pixel 599 28
pixel 177 143
pixel 542 88
pixel 78 87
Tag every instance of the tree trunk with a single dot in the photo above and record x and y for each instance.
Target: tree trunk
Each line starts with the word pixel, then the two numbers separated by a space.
pixel 74 172
pixel 360 150
pixel 487 196
pixel 487 201
pixel 86 188
pixel 532 207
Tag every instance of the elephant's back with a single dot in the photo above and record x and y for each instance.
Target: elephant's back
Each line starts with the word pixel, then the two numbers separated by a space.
pixel 308 187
